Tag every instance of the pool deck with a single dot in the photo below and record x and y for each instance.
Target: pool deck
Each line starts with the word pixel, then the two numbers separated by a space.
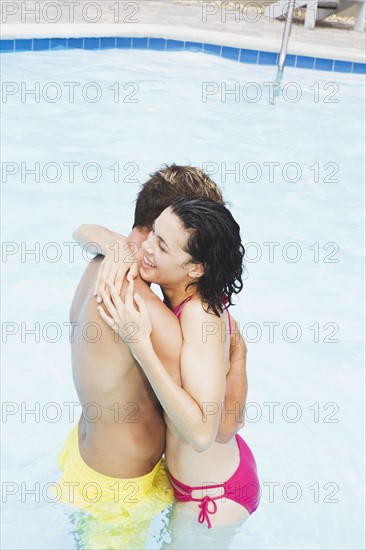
pixel 185 20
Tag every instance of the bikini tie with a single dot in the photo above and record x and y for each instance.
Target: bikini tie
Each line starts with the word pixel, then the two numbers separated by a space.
pixel 203 515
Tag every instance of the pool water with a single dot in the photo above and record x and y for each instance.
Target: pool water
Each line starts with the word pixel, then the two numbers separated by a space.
pixel 305 401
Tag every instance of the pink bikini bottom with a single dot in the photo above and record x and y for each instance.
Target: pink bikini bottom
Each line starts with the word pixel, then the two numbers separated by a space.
pixel 242 487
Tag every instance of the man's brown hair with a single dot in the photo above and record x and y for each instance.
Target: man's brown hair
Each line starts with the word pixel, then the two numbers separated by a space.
pixel 168 184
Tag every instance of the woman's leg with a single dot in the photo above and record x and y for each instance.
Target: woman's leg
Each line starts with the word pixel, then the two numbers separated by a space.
pixel 185 531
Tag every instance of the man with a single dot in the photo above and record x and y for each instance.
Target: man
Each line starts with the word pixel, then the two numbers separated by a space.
pixel 112 458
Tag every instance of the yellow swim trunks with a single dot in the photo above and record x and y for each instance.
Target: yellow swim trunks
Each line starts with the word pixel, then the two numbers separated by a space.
pixel 114 507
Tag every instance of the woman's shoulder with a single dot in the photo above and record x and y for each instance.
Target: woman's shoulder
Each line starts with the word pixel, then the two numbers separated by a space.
pixel 197 325
pixel 196 311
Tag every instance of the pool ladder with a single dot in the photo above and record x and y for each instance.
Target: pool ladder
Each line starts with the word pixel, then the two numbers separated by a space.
pixel 283 52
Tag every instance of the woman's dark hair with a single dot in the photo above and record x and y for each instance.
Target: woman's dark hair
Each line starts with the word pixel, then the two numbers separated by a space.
pixel 215 242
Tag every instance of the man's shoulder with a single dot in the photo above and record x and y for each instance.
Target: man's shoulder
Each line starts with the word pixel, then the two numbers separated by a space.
pixel 85 286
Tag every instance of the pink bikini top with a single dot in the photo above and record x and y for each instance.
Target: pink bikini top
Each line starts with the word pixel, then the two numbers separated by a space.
pixel 178 310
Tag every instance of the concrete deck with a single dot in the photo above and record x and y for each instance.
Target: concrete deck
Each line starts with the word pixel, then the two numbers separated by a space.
pixel 214 22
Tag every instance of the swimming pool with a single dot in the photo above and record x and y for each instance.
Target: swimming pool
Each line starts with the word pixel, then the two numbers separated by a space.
pixel 291 172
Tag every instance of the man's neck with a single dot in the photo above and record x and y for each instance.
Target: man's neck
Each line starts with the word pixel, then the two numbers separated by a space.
pixel 137 236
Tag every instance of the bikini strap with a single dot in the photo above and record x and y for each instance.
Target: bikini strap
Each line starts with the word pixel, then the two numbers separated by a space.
pixel 204 513
pixel 178 309
pixel 225 302
pixel 229 319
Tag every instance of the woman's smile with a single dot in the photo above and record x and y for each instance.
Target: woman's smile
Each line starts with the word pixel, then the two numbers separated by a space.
pixel 147 264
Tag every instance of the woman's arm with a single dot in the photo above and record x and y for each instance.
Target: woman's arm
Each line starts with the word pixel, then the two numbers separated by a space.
pixel 103 237
pixel 116 250
pixel 194 408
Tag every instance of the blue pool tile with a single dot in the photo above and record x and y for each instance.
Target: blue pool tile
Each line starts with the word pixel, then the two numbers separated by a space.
pixel 140 43
pixel 305 62
pixel 249 56
pixel 174 45
pixel 230 53
pixel 243 55
pixel 359 68
pixel 267 58
pixel 193 46
pixel 157 44
pixel 91 43
pixel 107 42
pixel 212 48
pixel 23 45
pixel 343 66
pixel 58 43
pixel 7 45
pixel 124 42
pixel 75 42
pixel 323 64
pixel 40 44
pixel 290 60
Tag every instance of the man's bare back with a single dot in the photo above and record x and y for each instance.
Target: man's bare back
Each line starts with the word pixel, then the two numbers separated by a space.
pixel 121 431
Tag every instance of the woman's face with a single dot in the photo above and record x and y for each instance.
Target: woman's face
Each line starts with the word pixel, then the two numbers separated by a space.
pixel 164 260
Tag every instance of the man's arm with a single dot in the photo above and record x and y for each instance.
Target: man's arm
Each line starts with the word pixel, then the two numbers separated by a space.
pixel 232 415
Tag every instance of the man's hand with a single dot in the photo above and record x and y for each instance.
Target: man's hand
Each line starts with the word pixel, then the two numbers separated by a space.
pixel 232 415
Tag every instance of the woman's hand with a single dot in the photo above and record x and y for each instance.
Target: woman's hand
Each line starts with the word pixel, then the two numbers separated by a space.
pixel 118 254
pixel 124 316
pixel 114 267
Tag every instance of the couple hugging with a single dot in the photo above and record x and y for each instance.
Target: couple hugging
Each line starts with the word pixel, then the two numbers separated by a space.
pixel 165 377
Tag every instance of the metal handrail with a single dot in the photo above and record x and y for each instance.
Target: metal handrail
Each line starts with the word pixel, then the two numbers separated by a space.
pixel 284 46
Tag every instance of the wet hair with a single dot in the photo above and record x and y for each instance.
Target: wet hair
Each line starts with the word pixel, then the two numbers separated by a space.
pixel 168 184
pixel 215 242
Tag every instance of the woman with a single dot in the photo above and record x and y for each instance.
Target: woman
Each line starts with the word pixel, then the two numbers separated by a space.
pixel 194 253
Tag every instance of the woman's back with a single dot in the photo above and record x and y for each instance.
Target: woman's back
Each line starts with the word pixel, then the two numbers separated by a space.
pixel 218 463
pixel 182 460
